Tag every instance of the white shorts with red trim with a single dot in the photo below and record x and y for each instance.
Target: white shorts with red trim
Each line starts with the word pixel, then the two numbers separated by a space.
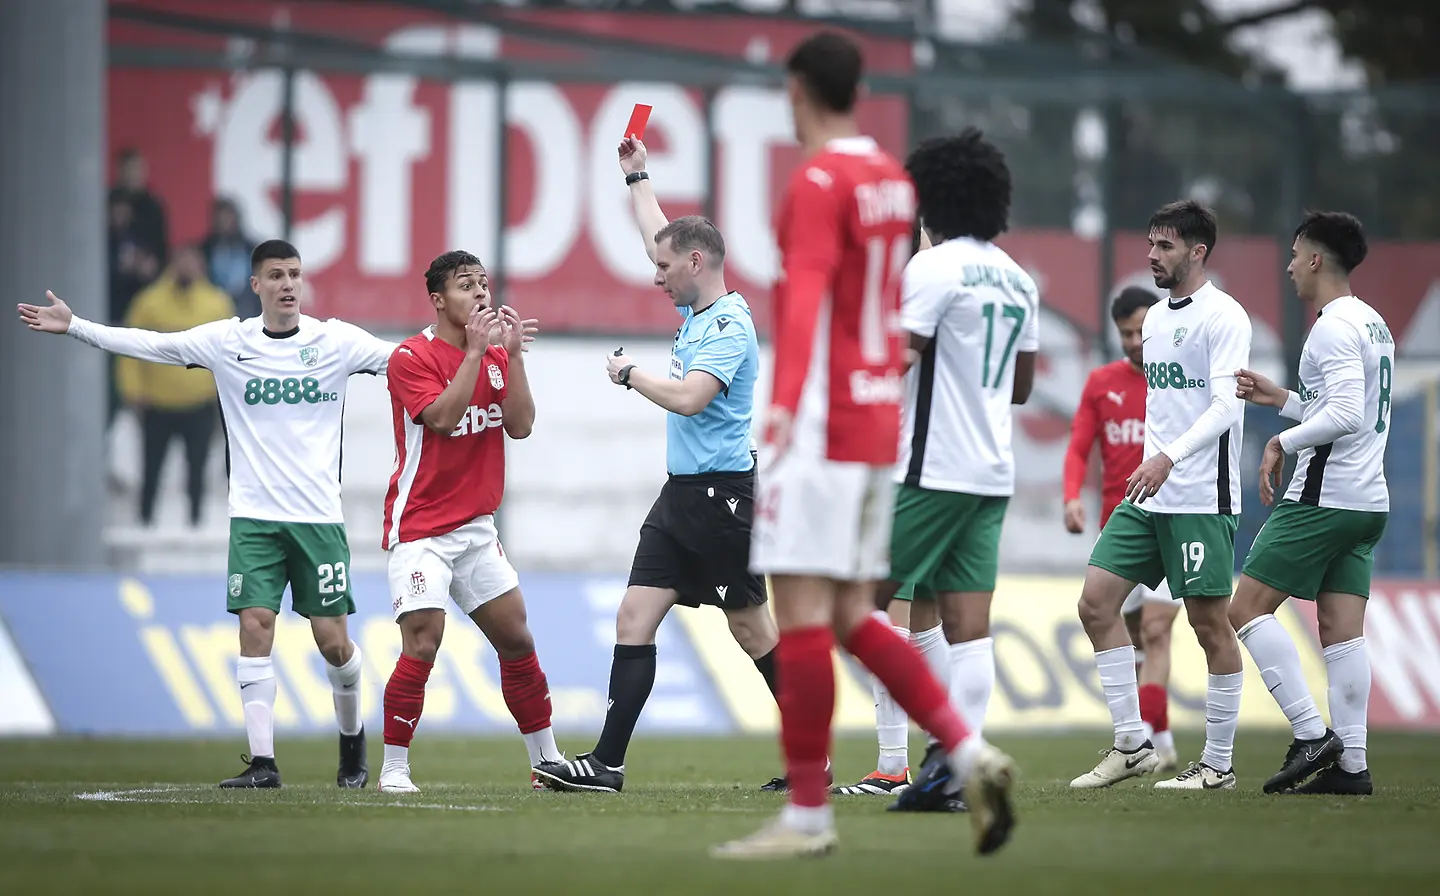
pixel 821 517
pixel 466 565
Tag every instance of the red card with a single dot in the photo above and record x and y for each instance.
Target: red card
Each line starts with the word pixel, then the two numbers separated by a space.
pixel 638 118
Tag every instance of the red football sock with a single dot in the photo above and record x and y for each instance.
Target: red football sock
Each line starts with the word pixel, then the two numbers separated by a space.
pixel 405 699
pixel 526 692
pixel 807 707
pixel 904 673
pixel 1155 707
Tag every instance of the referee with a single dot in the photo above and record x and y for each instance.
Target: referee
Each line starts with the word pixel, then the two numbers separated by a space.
pixel 695 544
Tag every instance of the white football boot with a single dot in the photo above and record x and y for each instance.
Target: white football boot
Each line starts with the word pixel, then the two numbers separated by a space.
pixel 1199 776
pixel 1115 766
pixel 395 778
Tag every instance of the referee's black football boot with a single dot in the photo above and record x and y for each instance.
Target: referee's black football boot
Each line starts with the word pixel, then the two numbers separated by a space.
pixel 929 791
pixel 782 784
pixel 354 772
pixel 1335 781
pixel 260 773
pixel 583 774
pixel 1305 758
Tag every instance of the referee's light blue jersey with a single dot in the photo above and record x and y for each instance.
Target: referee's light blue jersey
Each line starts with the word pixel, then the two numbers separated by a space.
pixel 720 341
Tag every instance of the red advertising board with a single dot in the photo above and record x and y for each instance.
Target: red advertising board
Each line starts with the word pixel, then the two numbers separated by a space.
pixel 1402 637
pixel 391 170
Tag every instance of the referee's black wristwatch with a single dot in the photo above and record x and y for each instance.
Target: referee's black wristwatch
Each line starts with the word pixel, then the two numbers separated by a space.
pixel 632 178
pixel 623 377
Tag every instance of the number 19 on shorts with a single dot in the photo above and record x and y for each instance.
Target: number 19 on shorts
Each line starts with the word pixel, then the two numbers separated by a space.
pixel 1192 555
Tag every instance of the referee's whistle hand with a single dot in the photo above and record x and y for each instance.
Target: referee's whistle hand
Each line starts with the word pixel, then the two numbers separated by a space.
pixel 614 364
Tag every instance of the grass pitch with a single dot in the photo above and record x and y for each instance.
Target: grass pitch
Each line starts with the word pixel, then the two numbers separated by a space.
pixel 117 816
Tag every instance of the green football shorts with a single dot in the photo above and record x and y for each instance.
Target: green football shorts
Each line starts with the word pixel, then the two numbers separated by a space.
pixel 1194 552
pixel 1305 550
pixel 312 558
pixel 944 541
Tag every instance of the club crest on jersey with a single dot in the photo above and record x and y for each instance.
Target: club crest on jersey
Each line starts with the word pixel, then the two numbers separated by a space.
pixel 497 379
pixel 236 581
pixel 310 356
pixel 1180 335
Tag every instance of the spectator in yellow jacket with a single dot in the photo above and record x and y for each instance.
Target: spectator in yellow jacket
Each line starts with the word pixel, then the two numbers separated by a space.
pixel 173 401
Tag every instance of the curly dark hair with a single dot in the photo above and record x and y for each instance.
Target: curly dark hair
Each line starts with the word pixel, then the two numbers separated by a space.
pixel 1339 234
pixel 444 265
pixel 962 186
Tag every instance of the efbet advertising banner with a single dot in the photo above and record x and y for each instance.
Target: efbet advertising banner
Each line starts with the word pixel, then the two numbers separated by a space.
pixel 118 655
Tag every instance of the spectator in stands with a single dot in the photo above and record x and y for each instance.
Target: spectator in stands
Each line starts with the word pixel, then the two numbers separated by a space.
pixel 147 213
pixel 174 401
pixel 131 268
pixel 227 257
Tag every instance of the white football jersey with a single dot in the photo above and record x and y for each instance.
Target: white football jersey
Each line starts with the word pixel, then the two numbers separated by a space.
pixel 283 398
pixel 1192 347
pixel 979 309
pixel 1347 367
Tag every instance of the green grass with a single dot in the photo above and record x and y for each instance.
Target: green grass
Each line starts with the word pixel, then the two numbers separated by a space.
pixel 483 831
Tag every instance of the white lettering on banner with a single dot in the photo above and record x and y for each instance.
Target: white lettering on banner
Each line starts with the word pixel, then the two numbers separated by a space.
pixel 676 174
pixel 1404 648
pixel 388 133
pixel 247 161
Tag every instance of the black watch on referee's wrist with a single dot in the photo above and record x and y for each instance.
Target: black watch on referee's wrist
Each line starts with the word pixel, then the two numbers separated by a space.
pixel 623 378
pixel 636 176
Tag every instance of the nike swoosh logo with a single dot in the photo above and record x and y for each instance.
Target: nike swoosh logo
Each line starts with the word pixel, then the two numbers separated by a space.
pixel 1192 579
pixel 1131 763
pixel 1208 786
pixel 239 357
pixel 326 603
pixel 248 684
pixel 1311 756
pixel 1146 339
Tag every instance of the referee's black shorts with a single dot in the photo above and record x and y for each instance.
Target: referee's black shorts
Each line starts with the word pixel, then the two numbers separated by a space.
pixel 696 541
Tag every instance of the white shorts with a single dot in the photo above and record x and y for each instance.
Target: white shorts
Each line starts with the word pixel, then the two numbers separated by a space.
pixel 821 518
pixel 467 565
pixel 1142 595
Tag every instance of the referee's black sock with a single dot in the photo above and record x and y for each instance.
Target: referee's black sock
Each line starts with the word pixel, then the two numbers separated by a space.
pixel 766 665
pixel 632 675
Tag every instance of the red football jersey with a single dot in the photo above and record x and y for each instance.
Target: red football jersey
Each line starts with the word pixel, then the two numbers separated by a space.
pixel 1112 408
pixel 441 482
pixel 843 228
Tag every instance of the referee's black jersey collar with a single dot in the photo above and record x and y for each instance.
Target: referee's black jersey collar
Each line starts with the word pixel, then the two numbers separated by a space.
pixel 714 303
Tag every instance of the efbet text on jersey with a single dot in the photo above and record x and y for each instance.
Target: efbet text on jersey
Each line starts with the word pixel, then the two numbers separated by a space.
pixel 868 389
pixel 476 420
pixel 1170 376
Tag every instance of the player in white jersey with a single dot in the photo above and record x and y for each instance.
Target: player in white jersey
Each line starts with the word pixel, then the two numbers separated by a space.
pixel 972 315
pixel 1182 506
pixel 1318 542
pixel 282 381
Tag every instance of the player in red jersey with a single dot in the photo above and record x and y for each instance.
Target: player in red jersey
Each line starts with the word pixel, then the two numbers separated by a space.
pixel 830 443
pixel 1112 409
pixel 457 390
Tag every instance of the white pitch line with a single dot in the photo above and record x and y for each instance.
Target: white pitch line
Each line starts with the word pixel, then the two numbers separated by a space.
pixel 148 795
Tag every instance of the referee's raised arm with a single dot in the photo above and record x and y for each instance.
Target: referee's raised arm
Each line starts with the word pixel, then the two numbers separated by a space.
pixel 648 215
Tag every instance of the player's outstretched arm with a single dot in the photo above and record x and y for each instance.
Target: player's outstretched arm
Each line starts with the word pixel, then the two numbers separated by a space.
pixel 193 346
pixel 518 405
pixel 648 216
